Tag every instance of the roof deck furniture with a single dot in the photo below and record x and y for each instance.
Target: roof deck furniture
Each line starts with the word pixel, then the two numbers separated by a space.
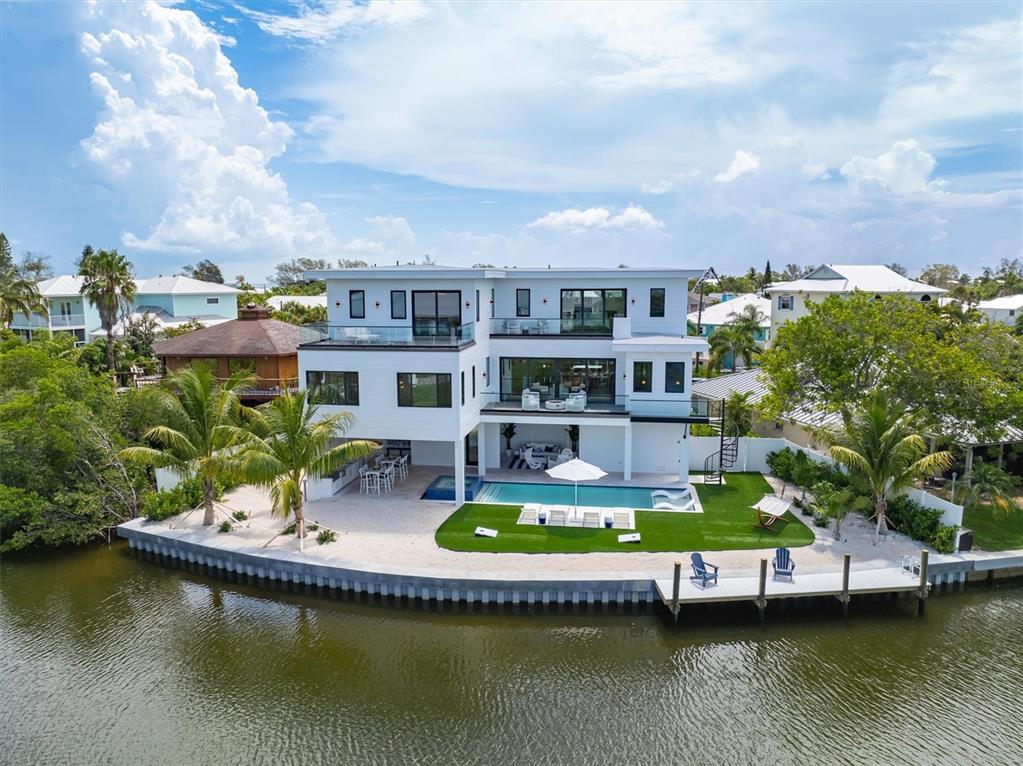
pixel 556 405
pixel 783 564
pixel 530 400
pixel 701 570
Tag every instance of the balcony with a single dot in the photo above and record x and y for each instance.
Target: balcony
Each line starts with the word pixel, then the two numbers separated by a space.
pixel 55 321
pixel 364 336
pixel 546 328
pixel 651 410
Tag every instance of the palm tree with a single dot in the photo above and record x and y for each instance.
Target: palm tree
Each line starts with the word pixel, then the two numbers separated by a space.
pixel 298 444
pixel 737 337
pixel 833 503
pixel 989 482
pixel 108 283
pixel 880 445
pixel 739 412
pixel 201 431
pixel 18 295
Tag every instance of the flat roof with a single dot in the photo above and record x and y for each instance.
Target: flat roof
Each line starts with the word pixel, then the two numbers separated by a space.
pixel 532 272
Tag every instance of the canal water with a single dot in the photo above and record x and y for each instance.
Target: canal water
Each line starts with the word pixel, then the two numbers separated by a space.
pixel 108 658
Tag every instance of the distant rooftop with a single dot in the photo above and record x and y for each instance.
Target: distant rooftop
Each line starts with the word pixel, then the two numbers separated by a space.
pixel 845 278
pixel 67 285
pixel 1005 302
pixel 722 313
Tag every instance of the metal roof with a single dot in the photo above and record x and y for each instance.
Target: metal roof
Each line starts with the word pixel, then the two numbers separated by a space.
pixel 845 278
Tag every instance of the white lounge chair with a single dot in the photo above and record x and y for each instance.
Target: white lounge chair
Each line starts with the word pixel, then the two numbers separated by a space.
pixel 591 519
pixel 527 516
pixel 535 463
pixel 666 505
pixel 530 400
pixel 556 517
pixel 562 457
pixel 576 402
pixel 621 520
pixel 667 494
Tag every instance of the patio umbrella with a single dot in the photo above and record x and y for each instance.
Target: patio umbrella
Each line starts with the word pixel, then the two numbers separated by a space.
pixel 576 470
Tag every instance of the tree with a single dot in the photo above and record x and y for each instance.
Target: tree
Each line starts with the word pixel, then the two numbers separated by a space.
pixel 739 413
pixel 352 263
pixel 880 444
pixel 990 483
pixel 242 283
pixel 965 379
pixel 1018 329
pixel 205 270
pixel 293 272
pixel 6 260
pixel 18 295
pixel 768 276
pixel 183 329
pixel 833 503
pixel 110 287
pixel 898 268
pixel 944 275
pixel 140 334
pixel 738 337
pixel 794 271
pixel 298 444
pixel 200 430
pixel 35 265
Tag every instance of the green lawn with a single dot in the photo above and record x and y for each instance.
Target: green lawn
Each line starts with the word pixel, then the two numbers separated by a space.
pixel 994 530
pixel 725 524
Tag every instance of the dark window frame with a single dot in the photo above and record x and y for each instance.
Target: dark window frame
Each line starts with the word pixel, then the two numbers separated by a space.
pixel 529 301
pixel 649 387
pixel 404 304
pixel 438 376
pixel 461 386
pixel 351 304
pixel 349 387
pixel 786 299
pixel 603 329
pixel 436 314
pixel 560 388
pixel 663 299
pixel 668 378
pixel 474 381
pixel 477 306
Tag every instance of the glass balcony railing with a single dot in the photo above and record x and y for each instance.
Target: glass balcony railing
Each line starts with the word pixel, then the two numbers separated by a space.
pixel 365 335
pixel 548 327
pixel 638 405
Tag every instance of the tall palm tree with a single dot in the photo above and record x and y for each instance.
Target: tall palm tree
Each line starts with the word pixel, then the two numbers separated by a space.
pixel 880 444
pixel 989 482
pixel 201 431
pixel 18 295
pixel 109 284
pixel 737 337
pixel 299 443
pixel 739 412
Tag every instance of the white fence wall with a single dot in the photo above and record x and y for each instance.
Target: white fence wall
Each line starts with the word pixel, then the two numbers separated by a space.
pixel 950 512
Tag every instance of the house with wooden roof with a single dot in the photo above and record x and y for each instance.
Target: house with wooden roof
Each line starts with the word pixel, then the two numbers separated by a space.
pixel 266 347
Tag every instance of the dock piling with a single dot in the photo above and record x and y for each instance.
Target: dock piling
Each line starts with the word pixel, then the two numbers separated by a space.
pixel 762 592
pixel 846 559
pixel 676 580
pixel 921 601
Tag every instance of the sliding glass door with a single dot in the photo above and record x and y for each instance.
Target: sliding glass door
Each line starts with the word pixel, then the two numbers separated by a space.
pixel 591 312
pixel 436 312
pixel 557 378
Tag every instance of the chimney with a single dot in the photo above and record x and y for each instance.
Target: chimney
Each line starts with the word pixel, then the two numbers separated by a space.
pixel 254 311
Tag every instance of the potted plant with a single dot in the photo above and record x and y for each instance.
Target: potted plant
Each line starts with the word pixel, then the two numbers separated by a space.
pixel 508 432
pixel 573 437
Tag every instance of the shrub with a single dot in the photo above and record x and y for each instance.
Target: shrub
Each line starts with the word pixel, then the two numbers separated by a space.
pixel 943 539
pixel 164 504
pixel 326 536
pixel 820 520
pixel 911 518
pixel 225 526
pixel 290 529
pixel 781 463
pixel 240 515
pixel 312 527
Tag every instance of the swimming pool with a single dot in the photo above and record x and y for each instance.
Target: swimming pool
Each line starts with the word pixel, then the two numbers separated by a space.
pixel 517 493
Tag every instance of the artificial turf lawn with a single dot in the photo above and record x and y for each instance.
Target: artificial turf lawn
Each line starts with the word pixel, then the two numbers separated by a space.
pixel 994 529
pixel 725 524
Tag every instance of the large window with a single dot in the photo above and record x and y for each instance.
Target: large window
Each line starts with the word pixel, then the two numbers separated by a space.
pixel 522 302
pixel 399 307
pixel 333 387
pixel 557 378
pixel 436 312
pixel 591 311
pixel 357 304
pixel 643 377
pixel 477 305
pixel 674 377
pixel 785 302
pixel 241 364
pixel 424 389
pixel 657 301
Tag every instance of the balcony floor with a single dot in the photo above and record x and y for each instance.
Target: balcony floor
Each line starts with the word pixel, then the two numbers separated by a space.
pixel 594 408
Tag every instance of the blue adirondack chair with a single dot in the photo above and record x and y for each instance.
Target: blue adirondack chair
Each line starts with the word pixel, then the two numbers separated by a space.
pixel 700 572
pixel 783 564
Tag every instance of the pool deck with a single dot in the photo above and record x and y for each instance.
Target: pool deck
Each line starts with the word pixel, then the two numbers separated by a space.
pixel 385 544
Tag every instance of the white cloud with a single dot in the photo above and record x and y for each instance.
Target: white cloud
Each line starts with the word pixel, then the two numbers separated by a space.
pixel 743 164
pixel 904 169
pixel 574 220
pixel 393 229
pixel 391 236
pixel 321 21
pixel 179 133
pixel 815 171
pixel 359 247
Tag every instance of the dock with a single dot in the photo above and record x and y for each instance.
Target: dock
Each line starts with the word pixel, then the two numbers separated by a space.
pixel 681 591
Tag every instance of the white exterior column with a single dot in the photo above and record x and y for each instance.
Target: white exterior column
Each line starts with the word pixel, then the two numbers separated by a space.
pixel 481 449
pixel 683 455
pixel 459 472
pixel 627 454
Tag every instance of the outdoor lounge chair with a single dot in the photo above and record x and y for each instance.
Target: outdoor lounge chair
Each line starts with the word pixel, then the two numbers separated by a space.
pixel 771 512
pixel 591 519
pixel 770 522
pixel 562 457
pixel 556 517
pixel 667 494
pixel 783 564
pixel 621 519
pixel 700 572
pixel 536 463
pixel 668 505
pixel 530 400
pixel 527 516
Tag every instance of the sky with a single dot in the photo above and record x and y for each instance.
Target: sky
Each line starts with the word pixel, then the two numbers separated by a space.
pixel 648 134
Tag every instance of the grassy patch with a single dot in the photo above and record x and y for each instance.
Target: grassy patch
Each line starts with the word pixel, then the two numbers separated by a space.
pixel 993 529
pixel 726 524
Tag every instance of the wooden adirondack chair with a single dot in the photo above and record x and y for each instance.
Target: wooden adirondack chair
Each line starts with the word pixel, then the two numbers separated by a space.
pixel 700 572
pixel 783 564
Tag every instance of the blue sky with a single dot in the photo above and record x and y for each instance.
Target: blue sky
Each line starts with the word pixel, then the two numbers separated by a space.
pixel 650 134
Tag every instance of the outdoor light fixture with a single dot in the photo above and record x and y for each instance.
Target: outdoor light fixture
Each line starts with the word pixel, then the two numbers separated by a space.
pixel 376 304
pixel 337 303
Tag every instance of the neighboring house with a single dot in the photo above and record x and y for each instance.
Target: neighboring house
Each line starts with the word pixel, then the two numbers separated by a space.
pixel 789 299
pixel 171 300
pixel 305 301
pixel 1006 309
pixel 709 299
pixel 266 347
pixel 725 312
pixel 441 358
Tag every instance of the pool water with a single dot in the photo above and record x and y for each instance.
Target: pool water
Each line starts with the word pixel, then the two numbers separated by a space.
pixel 516 493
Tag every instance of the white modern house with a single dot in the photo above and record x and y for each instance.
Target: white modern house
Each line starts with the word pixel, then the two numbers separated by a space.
pixel 437 362
pixel 1006 309
pixel 170 300
pixel 789 299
